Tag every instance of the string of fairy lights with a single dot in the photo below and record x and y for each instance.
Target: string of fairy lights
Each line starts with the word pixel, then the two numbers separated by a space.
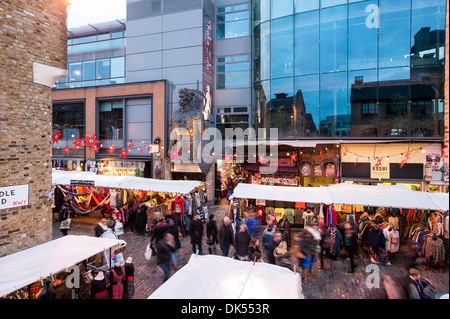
pixel 387 157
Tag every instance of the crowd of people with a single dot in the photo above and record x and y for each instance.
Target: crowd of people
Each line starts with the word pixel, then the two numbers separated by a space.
pixel 251 242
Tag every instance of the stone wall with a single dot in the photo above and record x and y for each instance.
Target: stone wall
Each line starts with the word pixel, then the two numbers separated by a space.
pixel 30 31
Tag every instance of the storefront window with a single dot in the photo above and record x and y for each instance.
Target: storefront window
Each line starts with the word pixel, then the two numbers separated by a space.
pixel 69 119
pixel 111 120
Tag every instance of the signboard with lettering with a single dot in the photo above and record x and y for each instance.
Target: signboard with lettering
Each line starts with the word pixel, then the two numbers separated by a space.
pixel 86 183
pixel 14 196
pixel 380 169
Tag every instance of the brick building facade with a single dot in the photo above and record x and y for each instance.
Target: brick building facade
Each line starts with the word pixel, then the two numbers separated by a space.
pixel 30 31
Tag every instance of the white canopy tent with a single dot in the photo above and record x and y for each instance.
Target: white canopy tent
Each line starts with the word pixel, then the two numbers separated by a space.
pixel 128 182
pixel 218 277
pixel 397 196
pixel 28 266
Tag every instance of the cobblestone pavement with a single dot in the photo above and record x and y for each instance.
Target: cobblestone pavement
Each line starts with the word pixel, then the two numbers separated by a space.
pixel 332 282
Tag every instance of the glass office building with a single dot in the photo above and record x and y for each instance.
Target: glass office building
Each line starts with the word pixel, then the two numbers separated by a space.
pixel 96 56
pixel 349 68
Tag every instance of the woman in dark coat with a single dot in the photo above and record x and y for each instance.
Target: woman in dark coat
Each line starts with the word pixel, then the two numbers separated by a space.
pixel 242 242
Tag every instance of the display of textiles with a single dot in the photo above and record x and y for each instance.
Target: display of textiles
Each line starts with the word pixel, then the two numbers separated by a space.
pixel 379 257
pixel 123 214
pixel 331 217
pixel 21 293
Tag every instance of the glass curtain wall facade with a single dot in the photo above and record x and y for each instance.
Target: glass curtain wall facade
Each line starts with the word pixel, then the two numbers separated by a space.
pixel 349 68
pixel 101 60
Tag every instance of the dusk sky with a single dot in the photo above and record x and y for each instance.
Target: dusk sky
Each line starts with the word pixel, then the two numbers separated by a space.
pixel 82 12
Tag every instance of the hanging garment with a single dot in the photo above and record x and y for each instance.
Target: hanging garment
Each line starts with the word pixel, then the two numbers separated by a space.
pixel 179 206
pixel 129 288
pixel 279 212
pixel 298 216
pixel 446 228
pixel 376 239
pixel 116 282
pixel 307 218
pixel 113 199
pixel 261 213
pixel 289 212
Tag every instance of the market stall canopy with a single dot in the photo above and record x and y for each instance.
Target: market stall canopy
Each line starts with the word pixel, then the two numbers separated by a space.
pixel 127 182
pixel 440 199
pixel 218 277
pixel 396 196
pixel 28 266
pixel 283 193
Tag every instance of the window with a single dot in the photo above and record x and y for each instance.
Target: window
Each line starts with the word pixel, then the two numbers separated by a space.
pixel 421 108
pixel 111 120
pixel 233 72
pixel 69 119
pixel 369 109
pixel 103 69
pixel 233 21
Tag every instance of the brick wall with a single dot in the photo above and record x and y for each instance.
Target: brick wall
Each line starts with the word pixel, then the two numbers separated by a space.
pixel 30 31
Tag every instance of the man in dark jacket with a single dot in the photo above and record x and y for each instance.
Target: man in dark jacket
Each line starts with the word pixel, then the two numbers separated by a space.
pixel 133 205
pixel 164 248
pixel 226 236
pixel 196 233
pixel 159 230
pixel 211 234
pixel 350 237
pixel 276 240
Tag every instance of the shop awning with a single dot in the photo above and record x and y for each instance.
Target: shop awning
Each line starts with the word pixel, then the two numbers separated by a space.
pixel 283 193
pixel 396 196
pixel 217 277
pixel 127 182
pixel 28 266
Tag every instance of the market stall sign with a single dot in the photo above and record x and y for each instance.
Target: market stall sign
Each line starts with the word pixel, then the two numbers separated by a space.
pixel 13 196
pixel 87 183
pixel 379 169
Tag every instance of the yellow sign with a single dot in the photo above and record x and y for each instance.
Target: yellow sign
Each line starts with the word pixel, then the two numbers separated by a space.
pixel 379 169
